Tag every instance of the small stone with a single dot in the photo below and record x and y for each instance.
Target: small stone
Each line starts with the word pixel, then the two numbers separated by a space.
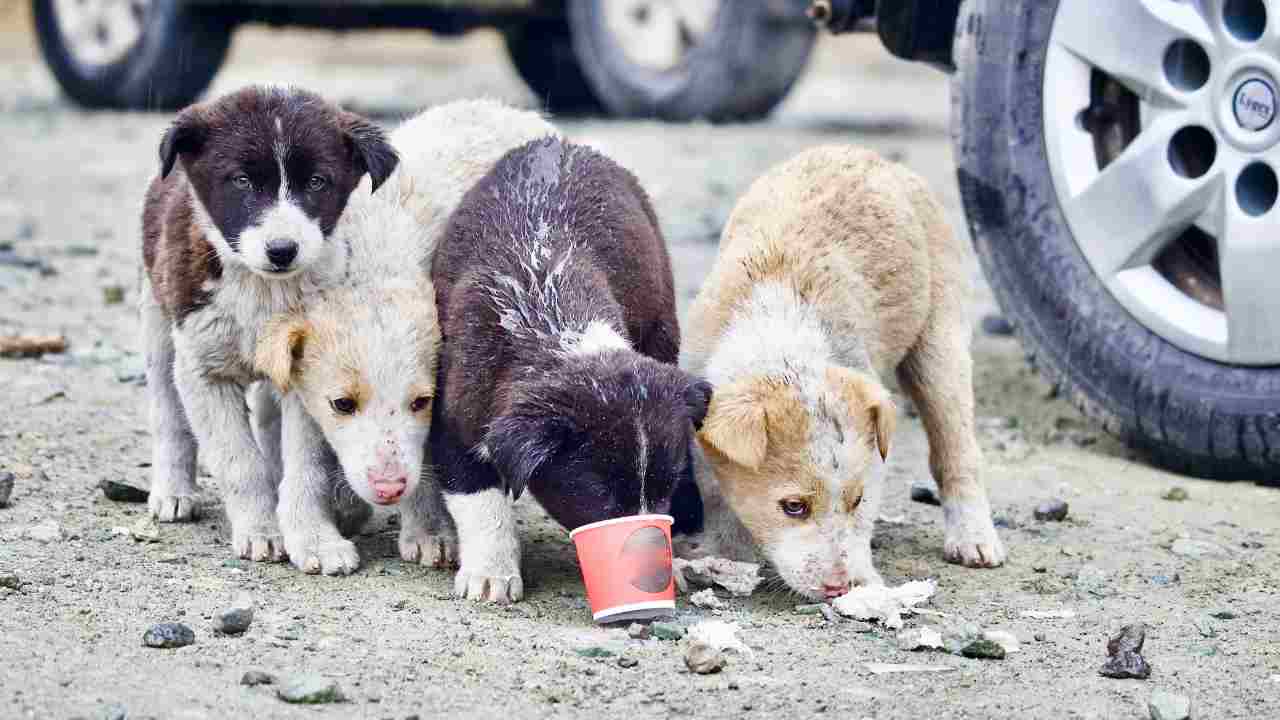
pixel 1223 615
pixel 703 659
pixel 1040 637
pixel 1169 706
pixel 1130 638
pixel 925 493
pixel 168 635
pixel 46 532
pixel 257 677
pixel 6 488
pixel 627 662
pixel 594 652
pixel 666 631
pixel 310 690
pixel 145 530
pixel 707 599
pixel 113 295
pixel 1125 650
pixel 984 650
pixel 235 619
pixel 1197 549
pixel 1004 639
pixel 636 631
pixel 10 580
pixel 123 492
pixel 1051 511
pixel 1177 493
pixel 919 638
pixel 997 325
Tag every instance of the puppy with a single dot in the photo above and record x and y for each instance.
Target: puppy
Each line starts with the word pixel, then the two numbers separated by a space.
pixel 557 373
pixel 358 364
pixel 834 267
pixel 236 228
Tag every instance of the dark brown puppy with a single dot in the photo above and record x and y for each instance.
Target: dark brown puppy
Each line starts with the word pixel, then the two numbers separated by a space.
pixel 555 297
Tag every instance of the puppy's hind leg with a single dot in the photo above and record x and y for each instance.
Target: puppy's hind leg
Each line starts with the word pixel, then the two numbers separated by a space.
pixel 264 411
pixel 174 496
pixel 938 375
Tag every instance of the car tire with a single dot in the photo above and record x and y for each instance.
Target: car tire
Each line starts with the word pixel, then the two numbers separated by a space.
pixel 1187 413
pixel 542 52
pixel 178 51
pixel 739 69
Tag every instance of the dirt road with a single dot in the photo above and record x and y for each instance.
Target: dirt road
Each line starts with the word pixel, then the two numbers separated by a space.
pixel 75 599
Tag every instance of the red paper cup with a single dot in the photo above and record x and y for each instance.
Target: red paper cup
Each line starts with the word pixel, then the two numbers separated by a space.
pixel 626 566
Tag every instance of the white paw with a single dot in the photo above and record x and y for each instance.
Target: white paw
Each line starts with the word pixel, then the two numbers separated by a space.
pixel 314 555
pixel 436 550
pixel 258 541
pixel 174 508
pixel 481 587
pixel 971 538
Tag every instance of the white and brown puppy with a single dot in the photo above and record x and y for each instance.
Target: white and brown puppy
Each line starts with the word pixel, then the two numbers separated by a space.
pixel 558 371
pixel 358 363
pixel 834 267
pixel 237 228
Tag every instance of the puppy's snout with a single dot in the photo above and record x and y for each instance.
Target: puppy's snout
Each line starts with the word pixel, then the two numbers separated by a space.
pixel 836 584
pixel 281 252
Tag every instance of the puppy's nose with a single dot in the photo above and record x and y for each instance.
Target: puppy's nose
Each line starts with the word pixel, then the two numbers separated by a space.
pixel 281 252
pixel 390 491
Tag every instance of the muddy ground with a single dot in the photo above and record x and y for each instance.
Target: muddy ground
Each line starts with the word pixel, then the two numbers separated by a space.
pixel 70 633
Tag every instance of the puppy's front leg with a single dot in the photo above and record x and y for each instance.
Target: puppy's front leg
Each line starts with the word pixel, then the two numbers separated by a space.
pixel 488 545
pixel 220 418
pixel 427 534
pixel 306 509
pixel 173 456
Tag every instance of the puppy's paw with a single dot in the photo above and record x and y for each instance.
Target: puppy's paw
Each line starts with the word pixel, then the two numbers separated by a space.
pixel 438 550
pixel 323 555
pixel 971 538
pixel 258 541
pixel 501 589
pixel 173 508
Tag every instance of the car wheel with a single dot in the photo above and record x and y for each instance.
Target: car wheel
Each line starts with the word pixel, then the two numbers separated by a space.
pixel 686 59
pixel 542 52
pixel 1118 164
pixel 131 54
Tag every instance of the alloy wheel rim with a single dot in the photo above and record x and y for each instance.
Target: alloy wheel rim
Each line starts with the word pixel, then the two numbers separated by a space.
pixel 100 32
pixel 659 34
pixel 1200 161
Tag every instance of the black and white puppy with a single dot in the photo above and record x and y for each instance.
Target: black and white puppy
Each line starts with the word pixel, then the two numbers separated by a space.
pixel 556 304
pixel 236 230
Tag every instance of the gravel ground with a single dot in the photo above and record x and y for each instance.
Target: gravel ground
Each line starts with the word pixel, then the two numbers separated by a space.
pixel 76 597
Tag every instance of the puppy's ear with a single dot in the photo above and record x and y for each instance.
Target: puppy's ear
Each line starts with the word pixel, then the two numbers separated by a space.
pixel 697 399
pixel 736 424
pixel 370 148
pixel 185 136
pixel 868 401
pixel 281 346
pixel 518 445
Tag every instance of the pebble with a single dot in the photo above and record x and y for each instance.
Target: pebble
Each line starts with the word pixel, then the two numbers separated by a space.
pixel 112 294
pixel 145 530
pixel 46 532
pixel 925 493
pixel 703 659
pixel 10 580
pixel 6 488
pixel 997 325
pixel 627 662
pixel 1177 493
pixel 1223 615
pixel 1169 706
pixel 666 631
pixel 1197 549
pixel 983 649
pixel 636 631
pixel 1052 511
pixel 123 492
pixel 257 677
pixel 310 690
pixel 168 635
pixel 1125 651
pixel 594 652
pixel 235 619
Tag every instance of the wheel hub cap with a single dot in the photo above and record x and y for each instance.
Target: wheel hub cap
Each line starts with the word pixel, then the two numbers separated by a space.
pixel 100 32
pixel 1255 104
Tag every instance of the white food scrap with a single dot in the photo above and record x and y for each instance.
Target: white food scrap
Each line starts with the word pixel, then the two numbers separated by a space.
pixel 883 603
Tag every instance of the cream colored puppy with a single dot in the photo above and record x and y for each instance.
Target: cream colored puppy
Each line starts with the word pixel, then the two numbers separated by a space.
pixel 834 267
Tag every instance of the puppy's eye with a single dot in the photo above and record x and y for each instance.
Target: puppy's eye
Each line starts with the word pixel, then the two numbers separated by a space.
pixel 343 405
pixel 795 508
pixel 242 182
pixel 316 183
pixel 419 404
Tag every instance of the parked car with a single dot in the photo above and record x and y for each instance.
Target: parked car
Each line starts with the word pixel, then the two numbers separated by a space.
pixel 1118 167
pixel 673 59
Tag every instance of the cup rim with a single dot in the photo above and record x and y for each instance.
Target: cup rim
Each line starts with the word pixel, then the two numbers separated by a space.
pixel 616 521
pixel 605 614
